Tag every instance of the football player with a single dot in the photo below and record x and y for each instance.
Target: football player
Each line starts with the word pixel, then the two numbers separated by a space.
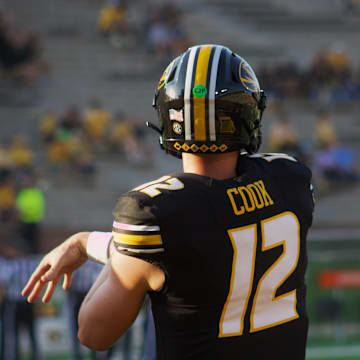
pixel 220 247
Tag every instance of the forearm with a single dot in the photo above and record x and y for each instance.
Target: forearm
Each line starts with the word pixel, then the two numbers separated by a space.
pixel 99 280
pixel 112 303
pixel 102 276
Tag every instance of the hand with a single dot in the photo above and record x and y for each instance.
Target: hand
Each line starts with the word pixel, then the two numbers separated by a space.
pixel 63 260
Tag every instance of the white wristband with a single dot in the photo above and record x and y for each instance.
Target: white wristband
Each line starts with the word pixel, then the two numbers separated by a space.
pixel 97 247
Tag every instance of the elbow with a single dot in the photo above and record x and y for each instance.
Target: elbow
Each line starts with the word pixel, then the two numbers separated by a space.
pixel 90 340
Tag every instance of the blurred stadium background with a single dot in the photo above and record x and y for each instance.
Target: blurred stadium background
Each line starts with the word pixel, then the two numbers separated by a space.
pixel 76 84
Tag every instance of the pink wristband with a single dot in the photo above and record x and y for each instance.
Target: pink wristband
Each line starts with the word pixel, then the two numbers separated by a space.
pixel 97 247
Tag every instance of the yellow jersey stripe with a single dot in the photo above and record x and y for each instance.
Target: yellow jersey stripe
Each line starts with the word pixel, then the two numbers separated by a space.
pixel 137 239
pixel 199 103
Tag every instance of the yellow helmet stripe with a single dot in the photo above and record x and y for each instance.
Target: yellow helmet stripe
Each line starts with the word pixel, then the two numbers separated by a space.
pixel 200 102
pixel 129 239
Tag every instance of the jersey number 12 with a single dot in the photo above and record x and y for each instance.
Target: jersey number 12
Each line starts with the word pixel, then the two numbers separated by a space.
pixel 267 310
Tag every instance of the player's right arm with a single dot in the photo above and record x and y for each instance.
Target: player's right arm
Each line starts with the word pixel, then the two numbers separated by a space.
pixel 133 270
pixel 115 300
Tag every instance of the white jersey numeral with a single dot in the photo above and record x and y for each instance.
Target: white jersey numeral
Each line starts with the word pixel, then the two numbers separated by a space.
pixel 273 156
pixel 164 183
pixel 267 310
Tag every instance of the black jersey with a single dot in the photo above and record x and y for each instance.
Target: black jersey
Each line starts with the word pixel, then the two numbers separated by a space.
pixel 234 256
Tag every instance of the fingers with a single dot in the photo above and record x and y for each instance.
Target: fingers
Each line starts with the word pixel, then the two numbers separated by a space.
pixel 67 280
pixel 35 278
pixel 51 286
pixel 50 290
pixel 43 274
pixel 51 274
pixel 36 291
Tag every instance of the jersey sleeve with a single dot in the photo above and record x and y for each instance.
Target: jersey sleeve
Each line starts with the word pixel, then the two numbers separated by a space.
pixel 136 230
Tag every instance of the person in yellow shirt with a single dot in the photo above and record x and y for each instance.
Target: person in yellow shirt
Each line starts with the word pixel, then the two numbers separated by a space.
pixel 96 120
pixel 48 125
pixel 325 134
pixel 20 152
pixel 282 135
pixel 121 130
pixel 111 15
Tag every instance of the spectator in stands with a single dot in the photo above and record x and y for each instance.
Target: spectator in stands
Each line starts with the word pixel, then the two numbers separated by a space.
pixel 165 32
pixel 113 22
pixel 96 121
pixel 320 68
pixel 20 53
pixel 48 126
pixel 21 155
pixel 282 135
pixel 80 154
pixel 328 79
pixel 180 39
pixel 57 153
pixel 325 133
pixel 335 167
pixel 6 162
pixel 339 60
pixel 331 75
pixel 120 130
pixel 30 204
pixel 128 138
pixel 159 38
pixel 71 120
pixel 112 14
pixel 16 311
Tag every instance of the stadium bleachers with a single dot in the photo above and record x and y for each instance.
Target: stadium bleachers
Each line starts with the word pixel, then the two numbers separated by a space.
pixel 84 66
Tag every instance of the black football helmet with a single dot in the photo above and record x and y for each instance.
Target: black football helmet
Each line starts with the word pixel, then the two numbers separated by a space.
pixel 209 100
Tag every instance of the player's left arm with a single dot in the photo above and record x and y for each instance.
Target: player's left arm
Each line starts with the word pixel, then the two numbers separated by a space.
pixel 115 299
